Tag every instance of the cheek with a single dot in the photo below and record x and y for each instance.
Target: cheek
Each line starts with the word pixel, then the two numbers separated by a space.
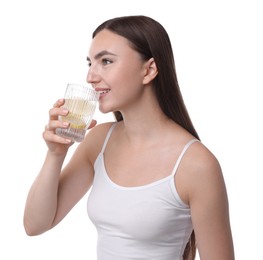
pixel 129 85
pixel 130 76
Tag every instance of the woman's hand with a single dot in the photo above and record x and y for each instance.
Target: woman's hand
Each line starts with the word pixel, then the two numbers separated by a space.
pixel 57 144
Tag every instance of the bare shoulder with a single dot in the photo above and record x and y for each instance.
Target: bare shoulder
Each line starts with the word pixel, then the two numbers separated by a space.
pixel 199 161
pixel 203 161
pixel 99 132
pixel 199 171
pixel 93 142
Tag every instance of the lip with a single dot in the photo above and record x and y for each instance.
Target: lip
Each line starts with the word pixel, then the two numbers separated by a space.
pixel 102 91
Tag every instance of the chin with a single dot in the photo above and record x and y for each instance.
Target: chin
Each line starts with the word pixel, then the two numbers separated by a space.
pixel 105 110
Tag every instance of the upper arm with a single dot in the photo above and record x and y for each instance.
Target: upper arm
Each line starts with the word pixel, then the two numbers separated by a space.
pixel 207 197
pixel 77 176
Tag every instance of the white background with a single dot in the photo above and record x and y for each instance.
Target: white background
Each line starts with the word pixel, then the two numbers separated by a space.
pixel 219 59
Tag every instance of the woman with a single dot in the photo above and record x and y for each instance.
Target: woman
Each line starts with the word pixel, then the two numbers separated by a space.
pixel 157 191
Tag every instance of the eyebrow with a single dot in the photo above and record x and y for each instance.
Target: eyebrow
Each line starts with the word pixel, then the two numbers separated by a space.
pixel 100 54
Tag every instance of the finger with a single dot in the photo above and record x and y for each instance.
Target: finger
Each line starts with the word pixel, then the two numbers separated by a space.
pixel 57 111
pixel 59 103
pixel 53 124
pixel 53 138
pixel 92 124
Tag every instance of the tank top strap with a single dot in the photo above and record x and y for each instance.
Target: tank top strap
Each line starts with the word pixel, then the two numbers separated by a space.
pixel 107 137
pixel 182 154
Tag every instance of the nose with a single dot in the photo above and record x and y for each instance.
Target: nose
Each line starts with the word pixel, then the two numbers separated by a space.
pixel 92 76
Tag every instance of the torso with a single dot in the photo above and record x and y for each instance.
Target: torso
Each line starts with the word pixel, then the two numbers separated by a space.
pixel 134 203
pixel 125 164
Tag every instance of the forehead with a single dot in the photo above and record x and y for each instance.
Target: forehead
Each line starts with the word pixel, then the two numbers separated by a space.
pixel 111 42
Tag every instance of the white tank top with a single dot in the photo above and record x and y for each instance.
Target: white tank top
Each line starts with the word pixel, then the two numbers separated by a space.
pixel 148 222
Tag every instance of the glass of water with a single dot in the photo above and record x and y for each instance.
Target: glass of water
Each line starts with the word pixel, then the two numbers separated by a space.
pixel 81 102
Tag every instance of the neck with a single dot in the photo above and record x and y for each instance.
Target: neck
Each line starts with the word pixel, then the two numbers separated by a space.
pixel 144 125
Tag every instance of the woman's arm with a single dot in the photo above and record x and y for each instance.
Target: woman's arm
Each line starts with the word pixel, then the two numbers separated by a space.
pixel 207 197
pixel 55 191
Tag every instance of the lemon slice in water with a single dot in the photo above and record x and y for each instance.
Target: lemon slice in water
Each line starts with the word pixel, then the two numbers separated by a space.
pixel 80 107
pixel 75 121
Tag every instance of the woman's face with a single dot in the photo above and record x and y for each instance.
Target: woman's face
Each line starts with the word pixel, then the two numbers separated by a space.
pixel 116 71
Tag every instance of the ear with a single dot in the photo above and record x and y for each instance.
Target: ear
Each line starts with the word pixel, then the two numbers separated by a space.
pixel 150 71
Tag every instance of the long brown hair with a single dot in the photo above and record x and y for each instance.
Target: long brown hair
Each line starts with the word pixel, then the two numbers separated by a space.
pixel 149 38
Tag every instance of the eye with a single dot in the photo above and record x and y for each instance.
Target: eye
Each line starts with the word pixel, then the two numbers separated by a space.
pixel 89 64
pixel 106 61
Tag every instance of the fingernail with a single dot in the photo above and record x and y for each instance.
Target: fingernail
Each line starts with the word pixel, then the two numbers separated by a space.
pixel 67 141
pixel 64 111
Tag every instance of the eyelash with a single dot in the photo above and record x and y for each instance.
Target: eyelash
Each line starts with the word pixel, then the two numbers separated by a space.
pixel 104 61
